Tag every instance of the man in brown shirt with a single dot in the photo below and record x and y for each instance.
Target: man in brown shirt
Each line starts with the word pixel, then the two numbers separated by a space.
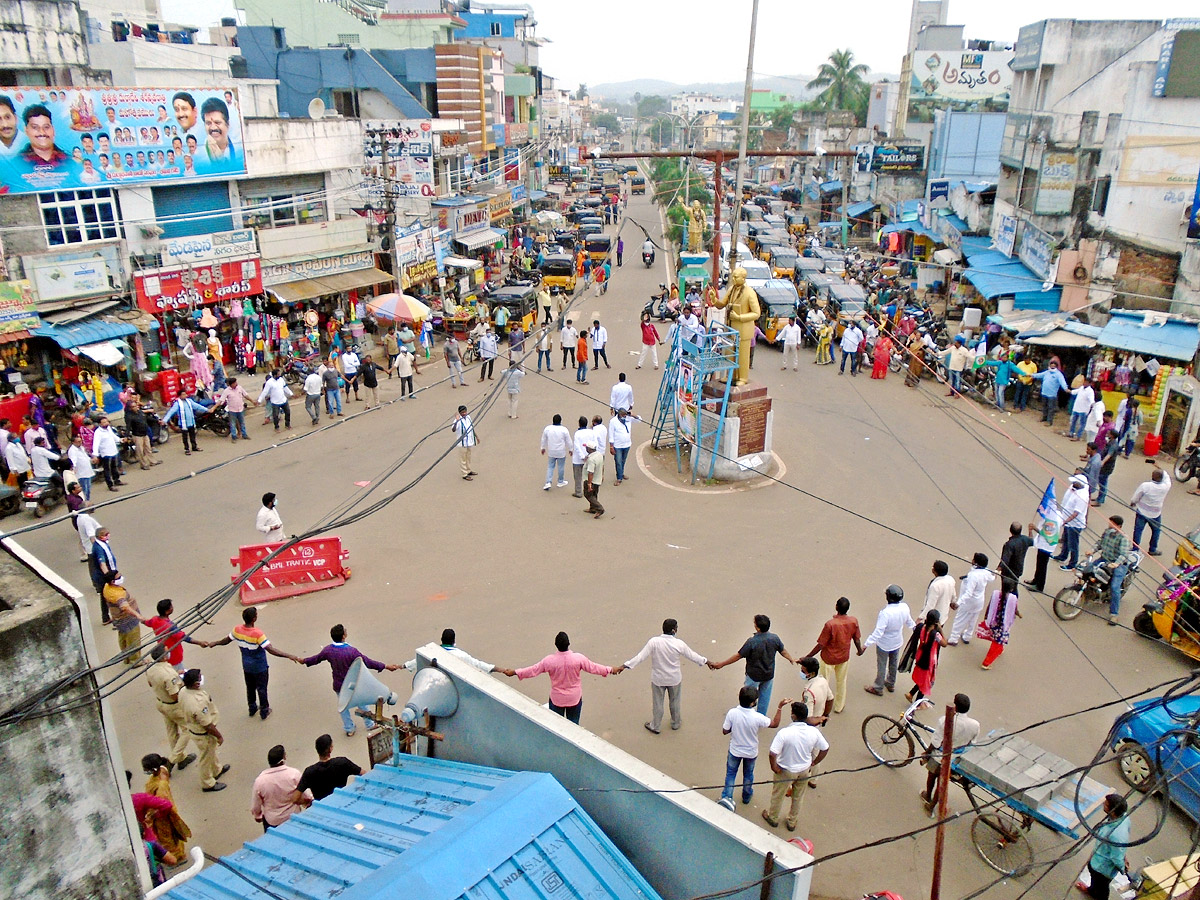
pixel 834 647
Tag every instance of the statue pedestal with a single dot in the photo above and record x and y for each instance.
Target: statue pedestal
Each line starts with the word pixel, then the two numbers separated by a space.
pixel 746 436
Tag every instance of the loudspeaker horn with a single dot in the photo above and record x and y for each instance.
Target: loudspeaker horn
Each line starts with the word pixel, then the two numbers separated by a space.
pixel 433 692
pixel 361 688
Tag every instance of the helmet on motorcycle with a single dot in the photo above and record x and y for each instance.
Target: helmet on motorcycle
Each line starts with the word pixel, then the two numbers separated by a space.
pixel 894 593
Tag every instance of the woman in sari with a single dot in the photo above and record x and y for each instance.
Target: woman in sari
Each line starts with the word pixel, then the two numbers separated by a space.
pixel 997 624
pixel 824 339
pixel 169 828
pixel 882 356
pixel 916 357
pixel 928 642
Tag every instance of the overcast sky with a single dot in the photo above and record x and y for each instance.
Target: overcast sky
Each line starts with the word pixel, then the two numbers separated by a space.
pixel 686 41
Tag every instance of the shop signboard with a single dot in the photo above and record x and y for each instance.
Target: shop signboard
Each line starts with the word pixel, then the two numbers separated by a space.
pixel 18 309
pixel 939 193
pixel 1163 73
pixel 297 270
pixel 409 154
pixel 1056 183
pixel 893 159
pixel 512 164
pixel 79 138
pixel 1193 229
pixel 418 273
pixel 1036 250
pixel 183 287
pixel 1006 235
pixel 416 253
pixel 204 247
pixel 961 79
pixel 518 194
pixel 500 206
pixel 471 219
pixel 950 235
pixel 516 133
pixel 1027 54
pixel 74 275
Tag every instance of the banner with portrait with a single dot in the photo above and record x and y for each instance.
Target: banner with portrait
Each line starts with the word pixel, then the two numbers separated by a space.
pixel 77 138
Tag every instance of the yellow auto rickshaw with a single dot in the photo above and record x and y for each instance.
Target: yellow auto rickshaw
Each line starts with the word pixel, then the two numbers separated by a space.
pixel 1173 616
pixel 598 247
pixel 558 271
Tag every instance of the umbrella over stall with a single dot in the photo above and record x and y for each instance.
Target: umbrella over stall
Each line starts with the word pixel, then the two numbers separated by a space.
pixel 398 308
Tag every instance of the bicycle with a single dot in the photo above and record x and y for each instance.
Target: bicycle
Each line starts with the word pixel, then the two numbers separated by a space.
pixel 999 828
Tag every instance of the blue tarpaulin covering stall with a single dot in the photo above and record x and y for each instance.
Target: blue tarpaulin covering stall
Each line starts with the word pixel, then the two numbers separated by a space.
pixel 976 243
pixel 78 334
pixel 1151 334
pixel 914 227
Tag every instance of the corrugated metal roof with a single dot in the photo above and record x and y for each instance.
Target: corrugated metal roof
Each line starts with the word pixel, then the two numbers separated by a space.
pixel 1000 280
pixel 914 227
pixel 988 259
pixel 973 244
pixel 430 829
pixel 1151 333
pixel 89 331
pixel 958 222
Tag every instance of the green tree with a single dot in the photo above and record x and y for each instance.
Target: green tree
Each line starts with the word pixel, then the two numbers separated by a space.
pixel 842 81
pixel 652 105
pixel 582 92
pixel 781 119
pixel 607 121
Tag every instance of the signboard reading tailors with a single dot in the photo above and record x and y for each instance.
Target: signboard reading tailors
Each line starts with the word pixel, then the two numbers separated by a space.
pixel 897 160
pixel 163 290
pixel 69 138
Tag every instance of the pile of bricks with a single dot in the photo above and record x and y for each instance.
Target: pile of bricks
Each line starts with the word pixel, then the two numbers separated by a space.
pixel 1012 765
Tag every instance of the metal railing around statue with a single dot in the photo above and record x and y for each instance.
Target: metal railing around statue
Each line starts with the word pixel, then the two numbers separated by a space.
pixel 683 416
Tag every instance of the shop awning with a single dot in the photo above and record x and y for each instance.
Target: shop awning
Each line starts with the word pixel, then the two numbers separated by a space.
pixel 1002 280
pixel 915 227
pixel 483 238
pixel 831 187
pixel 959 225
pixel 106 353
pixel 858 210
pixel 311 288
pixel 536 195
pixel 557 189
pixel 71 335
pixel 988 259
pixel 459 262
pixel 1151 334
pixel 1061 337
pixel 976 243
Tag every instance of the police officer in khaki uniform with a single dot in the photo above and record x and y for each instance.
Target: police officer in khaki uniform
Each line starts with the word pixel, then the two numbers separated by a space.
pixel 166 685
pixel 200 718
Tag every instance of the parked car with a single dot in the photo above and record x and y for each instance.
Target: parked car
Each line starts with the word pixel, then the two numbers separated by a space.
pixel 1150 746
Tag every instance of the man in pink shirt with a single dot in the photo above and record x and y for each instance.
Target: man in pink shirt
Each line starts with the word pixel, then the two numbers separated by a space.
pixel 273 791
pixel 564 669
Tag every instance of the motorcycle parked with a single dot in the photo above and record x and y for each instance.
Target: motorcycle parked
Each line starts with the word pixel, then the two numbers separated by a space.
pixel 1188 464
pixel 214 420
pixel 43 494
pixel 1092 585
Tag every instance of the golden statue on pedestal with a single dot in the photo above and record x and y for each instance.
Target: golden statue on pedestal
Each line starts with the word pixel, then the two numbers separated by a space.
pixel 696 223
pixel 743 311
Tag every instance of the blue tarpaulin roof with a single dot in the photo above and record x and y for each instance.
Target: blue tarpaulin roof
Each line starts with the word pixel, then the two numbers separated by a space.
pixel 988 259
pixel 974 187
pixel 1001 280
pixel 856 210
pixel 812 192
pixel 975 243
pixel 1171 338
pixel 88 331
pixel 914 227
pixel 831 187
pixel 908 209
pixel 430 829
pixel 959 225
pixel 536 195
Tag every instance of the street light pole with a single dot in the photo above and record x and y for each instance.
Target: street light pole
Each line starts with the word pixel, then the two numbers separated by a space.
pixel 741 160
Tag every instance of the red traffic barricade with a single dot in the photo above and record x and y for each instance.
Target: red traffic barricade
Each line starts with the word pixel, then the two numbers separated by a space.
pixel 306 566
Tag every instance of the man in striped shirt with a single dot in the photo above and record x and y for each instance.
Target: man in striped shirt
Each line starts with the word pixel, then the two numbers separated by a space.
pixel 255 647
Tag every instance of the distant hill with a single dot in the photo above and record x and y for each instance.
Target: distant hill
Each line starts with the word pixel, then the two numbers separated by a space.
pixel 793 86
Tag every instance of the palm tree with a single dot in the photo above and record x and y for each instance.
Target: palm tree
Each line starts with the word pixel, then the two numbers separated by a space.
pixel 842 80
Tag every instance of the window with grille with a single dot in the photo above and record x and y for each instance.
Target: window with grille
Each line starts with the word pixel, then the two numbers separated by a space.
pixel 281 210
pixel 349 40
pixel 80 217
pixel 495 29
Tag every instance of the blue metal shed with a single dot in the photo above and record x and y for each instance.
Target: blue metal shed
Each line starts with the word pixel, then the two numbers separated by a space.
pixel 1152 334
pixel 79 334
pixel 430 829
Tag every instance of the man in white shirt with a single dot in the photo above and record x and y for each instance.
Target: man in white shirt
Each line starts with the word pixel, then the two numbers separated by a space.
pixel 1074 508
pixel 852 339
pixel 1147 504
pixel 87 526
pixel 107 450
pixel 621 396
pixel 568 337
pixel 971 598
pixel 888 638
pixel 664 651
pixel 350 366
pixel 965 733
pixel 815 320
pixel 276 392
pixel 1085 398
pixel 795 750
pixel 742 724
pixel 448 637
pixel 620 440
pixel 790 334
pixel 689 322
pixel 467 439
pixel 312 395
pixel 600 433
pixel 556 444
pixel 81 464
pixel 583 437
pixel 17 459
pixel 599 338
pixel 940 593
pixel 268 521
pixel 489 348
pixel 41 457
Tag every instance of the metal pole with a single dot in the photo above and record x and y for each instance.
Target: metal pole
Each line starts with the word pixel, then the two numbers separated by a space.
pixel 943 783
pixel 741 163
pixel 719 161
pixel 846 170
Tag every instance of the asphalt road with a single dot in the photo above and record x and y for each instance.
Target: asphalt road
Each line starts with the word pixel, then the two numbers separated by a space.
pixel 877 476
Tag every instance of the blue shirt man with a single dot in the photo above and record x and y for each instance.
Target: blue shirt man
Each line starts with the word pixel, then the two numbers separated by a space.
pixel 1052 382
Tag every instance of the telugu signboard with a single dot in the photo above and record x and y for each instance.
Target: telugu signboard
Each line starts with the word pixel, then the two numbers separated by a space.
pixel 1006 235
pixel 71 138
pixel 1056 183
pixel 1036 251
pixel 892 159
pixel 1027 54
pixel 301 269
pixel 17 307
pixel 185 287
pixel 204 247
pixel 77 274
pixel 1166 160
pixel 962 79
pixel 409 155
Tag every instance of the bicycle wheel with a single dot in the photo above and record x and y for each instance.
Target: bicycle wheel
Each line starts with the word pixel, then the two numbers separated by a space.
pixel 1068 603
pixel 888 741
pixel 1000 840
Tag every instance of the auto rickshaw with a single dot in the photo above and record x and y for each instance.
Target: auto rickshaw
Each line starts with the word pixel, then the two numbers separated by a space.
pixel 637 184
pixel 1173 616
pixel 777 300
pixel 796 222
pixel 783 262
pixel 598 247
pixel 558 270
pixel 521 302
